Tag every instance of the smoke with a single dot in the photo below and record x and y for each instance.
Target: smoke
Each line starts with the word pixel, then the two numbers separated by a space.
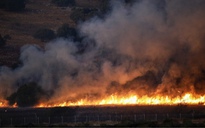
pixel 148 47
pixel 162 37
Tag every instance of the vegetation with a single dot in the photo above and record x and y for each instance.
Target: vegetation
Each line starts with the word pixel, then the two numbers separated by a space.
pixel 105 7
pixel 130 1
pixel 12 5
pixel 83 14
pixel 63 3
pixel 26 95
pixel 44 34
pixel 2 41
pixel 66 31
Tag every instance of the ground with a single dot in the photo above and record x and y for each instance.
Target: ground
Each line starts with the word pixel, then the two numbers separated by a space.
pixel 142 116
pixel 21 26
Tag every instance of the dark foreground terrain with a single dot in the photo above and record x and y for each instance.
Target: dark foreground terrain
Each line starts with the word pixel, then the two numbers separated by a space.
pixel 180 115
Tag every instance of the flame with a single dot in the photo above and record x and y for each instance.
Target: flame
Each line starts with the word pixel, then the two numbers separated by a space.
pixel 3 103
pixel 132 99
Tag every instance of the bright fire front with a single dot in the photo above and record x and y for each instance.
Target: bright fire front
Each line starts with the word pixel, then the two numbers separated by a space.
pixel 187 98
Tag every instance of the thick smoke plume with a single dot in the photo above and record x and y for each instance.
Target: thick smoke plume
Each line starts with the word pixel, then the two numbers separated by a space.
pixel 149 47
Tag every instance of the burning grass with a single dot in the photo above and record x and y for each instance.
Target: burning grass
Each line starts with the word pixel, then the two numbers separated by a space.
pixel 187 98
pixel 131 99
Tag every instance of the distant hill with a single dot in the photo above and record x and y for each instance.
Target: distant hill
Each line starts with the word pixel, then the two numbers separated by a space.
pixel 21 26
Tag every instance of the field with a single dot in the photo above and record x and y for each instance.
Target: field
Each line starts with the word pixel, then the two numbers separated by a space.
pixel 180 115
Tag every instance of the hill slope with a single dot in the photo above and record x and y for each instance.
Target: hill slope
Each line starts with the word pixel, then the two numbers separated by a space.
pixel 21 26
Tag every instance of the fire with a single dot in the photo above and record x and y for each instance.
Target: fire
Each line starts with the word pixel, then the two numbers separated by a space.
pixel 3 103
pixel 132 99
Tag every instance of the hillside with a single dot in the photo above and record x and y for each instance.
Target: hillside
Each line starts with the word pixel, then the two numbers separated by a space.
pixel 21 26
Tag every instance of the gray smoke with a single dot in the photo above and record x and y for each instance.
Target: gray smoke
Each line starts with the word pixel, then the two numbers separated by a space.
pixel 152 46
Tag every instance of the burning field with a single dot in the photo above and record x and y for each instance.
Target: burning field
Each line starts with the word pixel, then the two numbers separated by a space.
pixel 150 52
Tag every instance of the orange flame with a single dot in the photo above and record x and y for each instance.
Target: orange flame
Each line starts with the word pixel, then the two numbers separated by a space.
pixel 132 99
pixel 3 103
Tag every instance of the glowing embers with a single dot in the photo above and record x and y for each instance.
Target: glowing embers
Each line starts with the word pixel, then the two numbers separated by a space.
pixel 133 99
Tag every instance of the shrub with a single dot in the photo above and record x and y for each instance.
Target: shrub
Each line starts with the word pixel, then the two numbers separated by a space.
pixel 105 6
pixel 44 34
pixel 83 14
pixel 63 3
pixel 7 37
pixel 66 31
pixel 27 95
pixel 2 41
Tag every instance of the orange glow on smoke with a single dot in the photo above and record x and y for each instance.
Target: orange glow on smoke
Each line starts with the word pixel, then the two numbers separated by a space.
pixel 132 99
